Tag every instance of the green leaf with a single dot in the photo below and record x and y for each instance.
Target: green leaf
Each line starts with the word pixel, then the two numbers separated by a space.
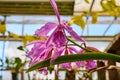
pixel 15 36
pixel 20 48
pixel 7 61
pixel 29 38
pixel 77 57
pixel 50 68
pixel 109 6
pixel 94 17
pixel 24 41
pixel 18 63
pixel 87 1
pixel 2 28
pixel 78 20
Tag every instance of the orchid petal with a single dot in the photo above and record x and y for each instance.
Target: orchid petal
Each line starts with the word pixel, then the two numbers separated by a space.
pixel 57 70
pixel 55 9
pixel 33 61
pixel 59 38
pixel 81 51
pixel 90 64
pixel 44 30
pixel 78 64
pixel 44 70
pixel 49 40
pixel 93 49
pixel 73 49
pixel 73 33
pixel 54 56
pixel 67 65
pixel 48 53
pixel 34 42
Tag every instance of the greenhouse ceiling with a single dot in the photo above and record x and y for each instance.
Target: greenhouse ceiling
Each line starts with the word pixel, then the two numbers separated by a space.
pixel 43 7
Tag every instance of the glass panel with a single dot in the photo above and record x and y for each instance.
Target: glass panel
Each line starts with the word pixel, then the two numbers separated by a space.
pixel 30 29
pixel 99 45
pixel 113 30
pixel 15 28
pixel 12 51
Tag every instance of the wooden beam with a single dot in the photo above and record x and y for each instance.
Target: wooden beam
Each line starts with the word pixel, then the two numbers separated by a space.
pixel 35 8
pixel 114 47
pixel 35 0
pixel 101 72
pixel 87 38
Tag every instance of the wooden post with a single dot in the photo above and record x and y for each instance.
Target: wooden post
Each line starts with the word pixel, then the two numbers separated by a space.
pixel 114 48
pixel 113 74
pixel 101 72
pixel 22 75
pixel 70 75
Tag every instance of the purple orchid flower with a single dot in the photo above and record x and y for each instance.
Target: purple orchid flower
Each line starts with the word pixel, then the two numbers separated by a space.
pixel 68 50
pixel 43 70
pixel 54 45
pixel 58 36
pixel 89 64
pixel 37 53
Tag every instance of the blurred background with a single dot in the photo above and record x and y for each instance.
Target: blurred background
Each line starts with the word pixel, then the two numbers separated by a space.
pixel 20 18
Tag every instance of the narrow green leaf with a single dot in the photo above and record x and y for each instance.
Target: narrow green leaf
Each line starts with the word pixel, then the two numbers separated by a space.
pixel 77 57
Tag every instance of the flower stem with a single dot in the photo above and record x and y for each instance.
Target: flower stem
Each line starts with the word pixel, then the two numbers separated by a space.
pixel 79 45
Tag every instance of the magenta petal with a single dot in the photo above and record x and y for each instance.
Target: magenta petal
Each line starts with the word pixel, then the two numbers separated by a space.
pixel 48 53
pixel 44 30
pixel 90 64
pixel 59 38
pixel 44 70
pixel 60 51
pixel 54 56
pixel 81 51
pixel 55 9
pixel 72 50
pixel 67 65
pixel 37 48
pixel 33 61
pixel 57 69
pixel 57 52
pixel 73 33
pixel 78 64
pixel 93 49
pixel 49 40
pixel 34 42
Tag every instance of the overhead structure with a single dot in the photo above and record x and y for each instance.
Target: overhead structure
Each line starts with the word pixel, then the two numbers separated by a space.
pixel 114 48
pixel 43 7
pixel 35 7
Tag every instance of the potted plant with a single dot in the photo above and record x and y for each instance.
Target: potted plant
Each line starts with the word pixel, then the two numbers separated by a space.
pixel 15 65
